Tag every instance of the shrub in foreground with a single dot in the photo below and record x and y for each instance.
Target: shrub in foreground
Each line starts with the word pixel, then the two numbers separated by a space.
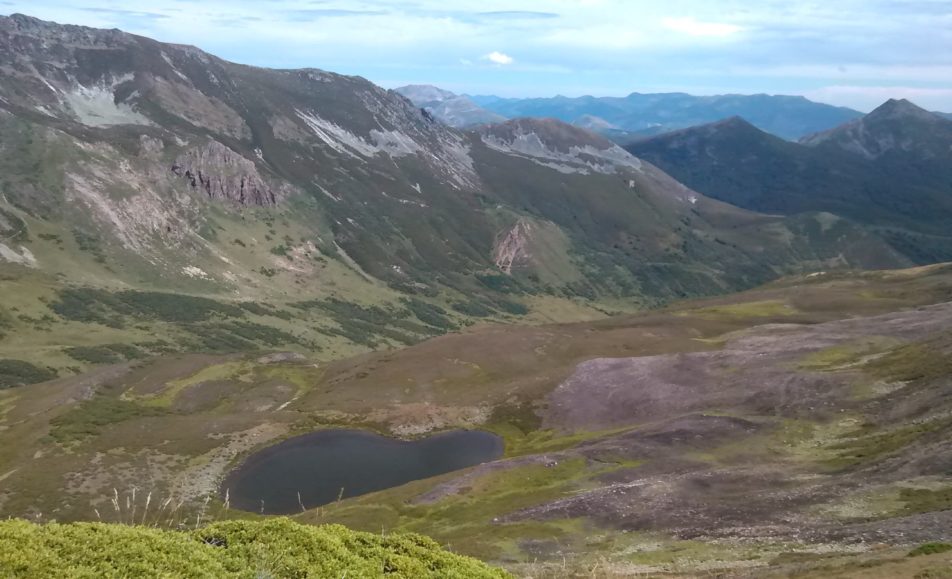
pixel 235 549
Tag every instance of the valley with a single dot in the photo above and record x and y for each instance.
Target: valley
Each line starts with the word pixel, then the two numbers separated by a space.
pixel 807 416
pixel 285 322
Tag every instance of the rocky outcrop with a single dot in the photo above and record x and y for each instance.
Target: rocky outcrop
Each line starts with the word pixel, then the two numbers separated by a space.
pixel 223 174
pixel 513 247
pixel 559 146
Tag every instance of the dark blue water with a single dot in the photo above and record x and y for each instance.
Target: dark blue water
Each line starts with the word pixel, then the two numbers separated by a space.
pixel 320 464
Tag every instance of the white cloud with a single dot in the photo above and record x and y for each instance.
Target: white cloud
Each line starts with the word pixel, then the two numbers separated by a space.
pixel 500 58
pixel 592 46
pixel 693 27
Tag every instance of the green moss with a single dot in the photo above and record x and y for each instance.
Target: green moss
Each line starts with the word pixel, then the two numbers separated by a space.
pixel 234 549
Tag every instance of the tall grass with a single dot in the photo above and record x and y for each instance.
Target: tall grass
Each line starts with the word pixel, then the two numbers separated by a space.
pixel 137 509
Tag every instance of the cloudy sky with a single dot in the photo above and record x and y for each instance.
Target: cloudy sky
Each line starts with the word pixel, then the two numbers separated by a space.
pixel 849 52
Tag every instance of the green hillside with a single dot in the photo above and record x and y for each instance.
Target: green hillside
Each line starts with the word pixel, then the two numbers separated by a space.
pixel 890 171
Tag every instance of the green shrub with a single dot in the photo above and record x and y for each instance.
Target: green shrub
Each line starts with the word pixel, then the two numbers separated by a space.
pixel 474 309
pixel 6 319
pixel 499 282
pixel 175 307
pixel 20 373
pixel 255 308
pixel 89 243
pixel 429 314
pixel 101 306
pixel 930 549
pixel 234 549
pixel 514 308
pixel 107 354
pixel 92 415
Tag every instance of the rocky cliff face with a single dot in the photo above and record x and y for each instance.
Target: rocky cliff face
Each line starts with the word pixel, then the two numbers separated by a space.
pixel 222 174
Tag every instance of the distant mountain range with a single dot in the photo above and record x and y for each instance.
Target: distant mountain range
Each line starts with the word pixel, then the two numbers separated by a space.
pixel 890 169
pixel 637 116
pixel 789 117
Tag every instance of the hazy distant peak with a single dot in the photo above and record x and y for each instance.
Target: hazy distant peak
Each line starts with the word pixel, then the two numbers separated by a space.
pixel 451 109
pixel 421 94
pixel 899 108
pixel 789 117
pixel 896 125
pixel 593 123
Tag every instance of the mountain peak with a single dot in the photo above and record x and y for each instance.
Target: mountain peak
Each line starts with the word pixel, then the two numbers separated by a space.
pixel 452 109
pixel 899 108
pixel 734 122
pixel 730 128
pixel 421 94
pixel 896 125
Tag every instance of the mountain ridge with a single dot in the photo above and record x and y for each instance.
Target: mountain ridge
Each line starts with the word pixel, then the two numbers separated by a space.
pixel 896 125
pixel 790 117
pixel 886 170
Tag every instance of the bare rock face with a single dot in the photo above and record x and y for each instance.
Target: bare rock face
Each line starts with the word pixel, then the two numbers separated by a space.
pixel 223 174
pixel 559 146
pixel 513 247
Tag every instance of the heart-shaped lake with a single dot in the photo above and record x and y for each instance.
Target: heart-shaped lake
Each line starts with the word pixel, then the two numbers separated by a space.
pixel 315 469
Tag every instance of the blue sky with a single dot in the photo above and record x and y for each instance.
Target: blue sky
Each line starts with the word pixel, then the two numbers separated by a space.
pixel 849 52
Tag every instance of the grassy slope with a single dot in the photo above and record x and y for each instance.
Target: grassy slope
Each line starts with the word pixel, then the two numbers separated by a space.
pixel 274 548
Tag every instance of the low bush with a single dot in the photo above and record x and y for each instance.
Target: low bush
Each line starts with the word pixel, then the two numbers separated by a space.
pixel 930 549
pixel 20 373
pixel 233 549
pixel 92 415
pixel 107 354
